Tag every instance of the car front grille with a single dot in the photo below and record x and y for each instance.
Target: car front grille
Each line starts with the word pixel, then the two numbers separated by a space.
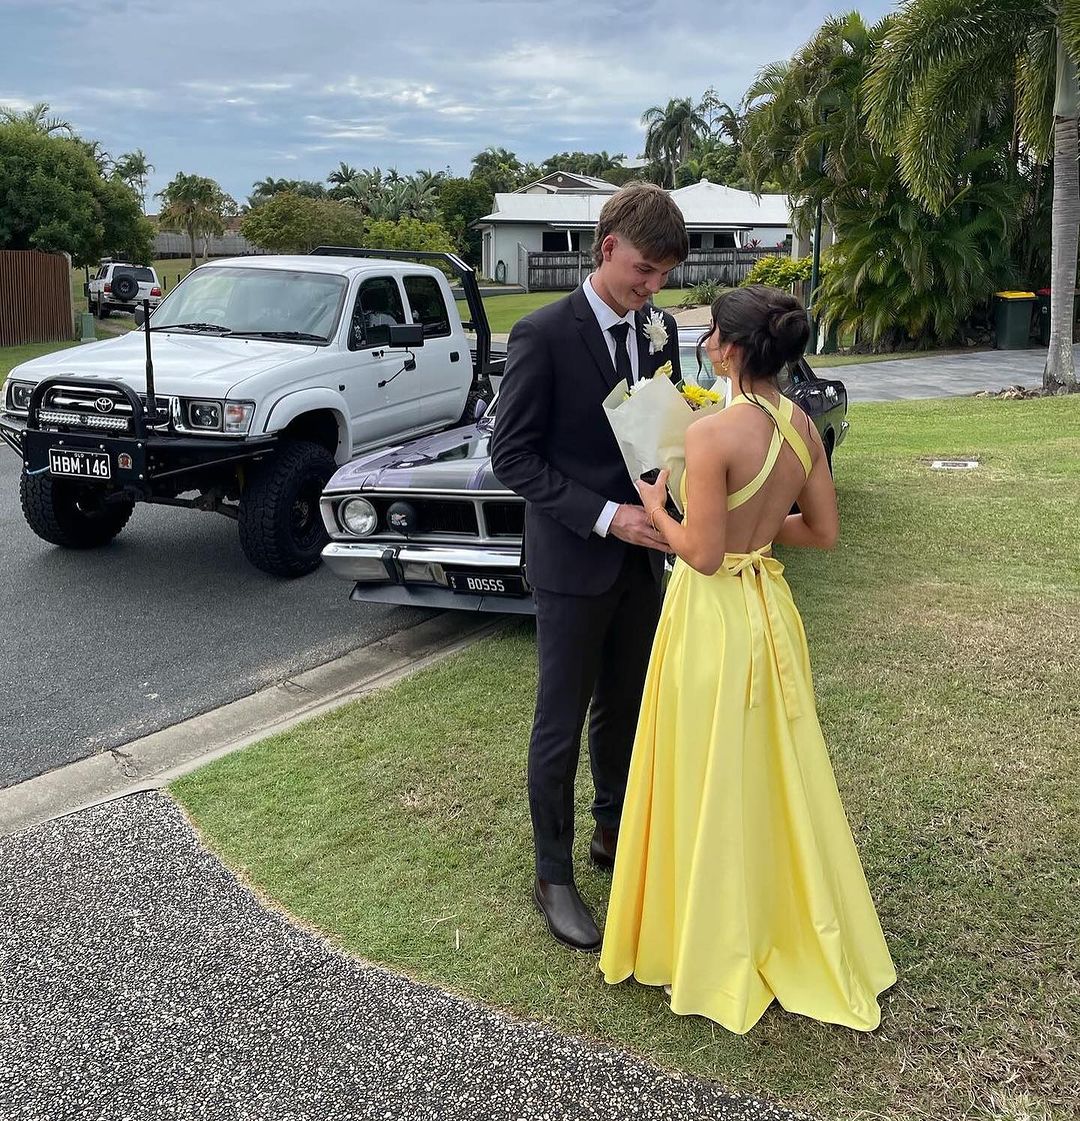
pixel 436 517
pixel 71 406
pixel 504 519
pixel 452 518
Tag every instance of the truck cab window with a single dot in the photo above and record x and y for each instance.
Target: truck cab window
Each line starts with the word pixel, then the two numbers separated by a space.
pixel 378 307
pixel 428 306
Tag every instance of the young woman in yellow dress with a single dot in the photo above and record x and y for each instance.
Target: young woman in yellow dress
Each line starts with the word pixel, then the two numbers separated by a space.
pixel 736 878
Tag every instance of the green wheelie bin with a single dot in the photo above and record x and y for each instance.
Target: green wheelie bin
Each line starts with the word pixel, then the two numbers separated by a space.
pixel 1012 320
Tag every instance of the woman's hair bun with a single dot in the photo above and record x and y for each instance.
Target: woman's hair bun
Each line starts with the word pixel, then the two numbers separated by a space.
pixel 769 325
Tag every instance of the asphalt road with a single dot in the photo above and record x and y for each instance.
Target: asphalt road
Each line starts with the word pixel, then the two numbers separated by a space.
pixel 170 620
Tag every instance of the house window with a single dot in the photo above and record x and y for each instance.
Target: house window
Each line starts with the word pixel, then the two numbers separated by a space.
pixel 695 241
pixel 724 240
pixel 555 241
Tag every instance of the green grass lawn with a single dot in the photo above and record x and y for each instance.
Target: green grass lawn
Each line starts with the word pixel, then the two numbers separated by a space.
pixel 504 311
pixel 944 632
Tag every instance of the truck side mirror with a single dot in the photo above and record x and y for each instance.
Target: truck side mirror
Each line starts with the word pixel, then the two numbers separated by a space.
pixel 406 335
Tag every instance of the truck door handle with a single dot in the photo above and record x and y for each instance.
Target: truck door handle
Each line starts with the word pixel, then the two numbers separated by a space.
pixel 454 356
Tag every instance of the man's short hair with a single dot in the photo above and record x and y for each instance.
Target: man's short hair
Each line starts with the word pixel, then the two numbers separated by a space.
pixel 647 217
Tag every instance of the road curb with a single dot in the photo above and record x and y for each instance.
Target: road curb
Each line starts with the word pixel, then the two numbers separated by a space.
pixel 155 760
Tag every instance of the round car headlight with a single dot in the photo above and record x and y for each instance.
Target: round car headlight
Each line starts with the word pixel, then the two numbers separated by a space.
pixel 358 516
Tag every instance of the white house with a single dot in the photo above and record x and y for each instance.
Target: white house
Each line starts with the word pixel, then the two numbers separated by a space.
pixel 560 218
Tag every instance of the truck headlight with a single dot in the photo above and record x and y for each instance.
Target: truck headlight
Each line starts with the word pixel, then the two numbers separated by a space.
pixel 238 416
pixel 18 395
pixel 358 516
pixel 204 415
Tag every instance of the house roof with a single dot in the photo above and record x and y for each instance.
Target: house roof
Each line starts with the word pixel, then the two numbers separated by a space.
pixel 705 206
pixel 706 203
pixel 569 181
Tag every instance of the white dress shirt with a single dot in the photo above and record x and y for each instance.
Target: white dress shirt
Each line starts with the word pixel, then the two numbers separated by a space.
pixel 607 318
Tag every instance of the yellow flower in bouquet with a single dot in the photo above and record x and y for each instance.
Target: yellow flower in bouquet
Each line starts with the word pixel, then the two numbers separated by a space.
pixel 698 397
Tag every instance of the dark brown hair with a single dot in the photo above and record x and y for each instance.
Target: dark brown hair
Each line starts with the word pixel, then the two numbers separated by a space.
pixel 768 325
pixel 647 216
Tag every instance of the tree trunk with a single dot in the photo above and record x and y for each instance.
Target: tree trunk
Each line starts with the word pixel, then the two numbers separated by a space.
pixel 191 238
pixel 1065 224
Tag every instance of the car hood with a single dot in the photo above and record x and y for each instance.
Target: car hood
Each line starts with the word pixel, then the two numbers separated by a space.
pixel 184 364
pixel 459 459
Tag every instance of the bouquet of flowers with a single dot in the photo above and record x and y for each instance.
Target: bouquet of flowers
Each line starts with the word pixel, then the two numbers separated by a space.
pixel 650 423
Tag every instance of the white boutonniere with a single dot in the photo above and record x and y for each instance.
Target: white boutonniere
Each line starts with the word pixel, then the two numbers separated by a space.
pixel 655 331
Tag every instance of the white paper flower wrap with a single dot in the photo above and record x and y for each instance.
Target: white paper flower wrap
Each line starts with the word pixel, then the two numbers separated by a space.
pixel 650 427
pixel 655 330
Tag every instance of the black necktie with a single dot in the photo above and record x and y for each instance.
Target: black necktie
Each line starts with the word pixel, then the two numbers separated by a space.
pixel 623 369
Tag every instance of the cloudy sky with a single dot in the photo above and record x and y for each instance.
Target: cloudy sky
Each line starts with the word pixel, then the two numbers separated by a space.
pixel 242 89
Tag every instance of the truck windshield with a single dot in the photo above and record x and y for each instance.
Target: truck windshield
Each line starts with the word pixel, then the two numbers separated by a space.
pixel 283 304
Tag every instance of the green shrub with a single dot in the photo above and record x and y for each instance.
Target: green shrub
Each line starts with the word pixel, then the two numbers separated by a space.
pixel 779 272
pixel 703 293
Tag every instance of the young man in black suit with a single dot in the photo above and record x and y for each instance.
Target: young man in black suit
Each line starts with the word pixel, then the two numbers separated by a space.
pixel 593 560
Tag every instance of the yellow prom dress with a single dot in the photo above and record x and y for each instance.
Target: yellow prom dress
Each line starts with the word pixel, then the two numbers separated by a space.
pixel 737 880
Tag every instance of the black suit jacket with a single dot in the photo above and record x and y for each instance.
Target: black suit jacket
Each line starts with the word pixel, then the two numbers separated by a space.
pixel 553 444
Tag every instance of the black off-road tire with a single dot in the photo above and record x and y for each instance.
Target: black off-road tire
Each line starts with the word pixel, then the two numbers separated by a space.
pixel 100 310
pixel 69 514
pixel 281 529
pixel 125 287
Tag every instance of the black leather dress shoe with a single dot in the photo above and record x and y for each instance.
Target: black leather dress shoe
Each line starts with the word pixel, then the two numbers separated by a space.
pixel 567 916
pixel 602 847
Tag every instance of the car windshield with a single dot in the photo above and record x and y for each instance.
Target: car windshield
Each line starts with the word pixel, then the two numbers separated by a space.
pixel 283 304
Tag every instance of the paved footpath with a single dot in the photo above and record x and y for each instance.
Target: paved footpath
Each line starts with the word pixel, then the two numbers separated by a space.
pixel 943 375
pixel 140 981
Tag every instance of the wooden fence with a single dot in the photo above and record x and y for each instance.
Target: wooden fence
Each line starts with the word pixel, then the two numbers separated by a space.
pixel 551 272
pixel 35 297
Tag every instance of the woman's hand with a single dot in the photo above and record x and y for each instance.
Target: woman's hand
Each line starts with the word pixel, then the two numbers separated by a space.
pixel 654 495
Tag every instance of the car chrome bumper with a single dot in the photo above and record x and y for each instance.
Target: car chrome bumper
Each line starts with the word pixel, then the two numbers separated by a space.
pixel 415 574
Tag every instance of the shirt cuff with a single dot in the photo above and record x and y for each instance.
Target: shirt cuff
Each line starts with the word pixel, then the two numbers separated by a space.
pixel 607 515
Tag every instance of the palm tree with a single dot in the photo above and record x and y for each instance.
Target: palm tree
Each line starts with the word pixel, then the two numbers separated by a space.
pixel 946 66
pixel 134 169
pixel 37 117
pixel 195 205
pixel 722 119
pixel 342 174
pixel 670 133
pixel 499 168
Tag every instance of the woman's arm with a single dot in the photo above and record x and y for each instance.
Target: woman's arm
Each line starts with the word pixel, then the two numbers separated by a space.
pixel 700 541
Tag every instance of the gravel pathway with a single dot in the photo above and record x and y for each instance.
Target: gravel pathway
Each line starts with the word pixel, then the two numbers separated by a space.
pixel 139 980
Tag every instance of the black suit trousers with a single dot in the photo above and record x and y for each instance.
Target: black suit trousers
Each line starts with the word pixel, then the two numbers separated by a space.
pixel 590 649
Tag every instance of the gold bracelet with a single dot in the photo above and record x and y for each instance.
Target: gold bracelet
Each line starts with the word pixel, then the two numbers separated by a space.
pixel 652 517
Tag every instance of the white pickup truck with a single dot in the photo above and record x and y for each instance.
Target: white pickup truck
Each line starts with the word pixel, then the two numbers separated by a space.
pixel 256 378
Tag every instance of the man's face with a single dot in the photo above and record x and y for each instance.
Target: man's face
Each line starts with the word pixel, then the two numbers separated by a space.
pixel 628 278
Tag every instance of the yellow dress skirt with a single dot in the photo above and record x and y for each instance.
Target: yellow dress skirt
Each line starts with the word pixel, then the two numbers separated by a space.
pixel 737 880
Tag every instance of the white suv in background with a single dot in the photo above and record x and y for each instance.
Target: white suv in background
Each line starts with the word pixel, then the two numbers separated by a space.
pixel 122 287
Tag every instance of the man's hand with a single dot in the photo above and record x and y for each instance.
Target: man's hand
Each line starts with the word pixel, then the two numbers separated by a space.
pixel 631 524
